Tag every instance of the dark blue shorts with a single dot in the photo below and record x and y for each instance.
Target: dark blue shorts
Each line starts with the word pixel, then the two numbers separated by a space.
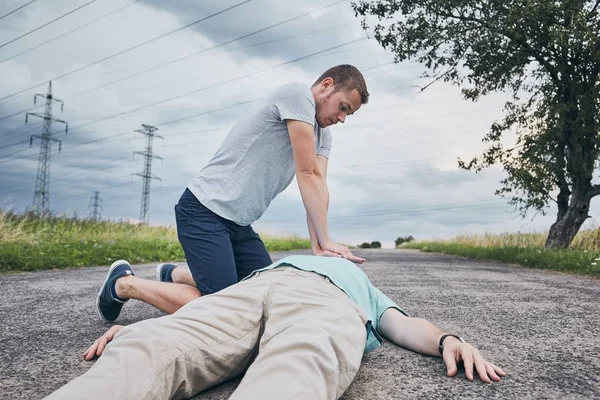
pixel 218 251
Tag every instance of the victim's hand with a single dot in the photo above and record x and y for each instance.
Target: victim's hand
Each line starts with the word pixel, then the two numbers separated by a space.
pixel 97 348
pixel 456 351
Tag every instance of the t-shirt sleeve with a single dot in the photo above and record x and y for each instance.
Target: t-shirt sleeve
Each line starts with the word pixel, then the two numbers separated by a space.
pixel 295 101
pixel 325 148
pixel 382 303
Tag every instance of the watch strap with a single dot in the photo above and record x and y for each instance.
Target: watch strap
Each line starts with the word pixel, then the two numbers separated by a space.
pixel 444 336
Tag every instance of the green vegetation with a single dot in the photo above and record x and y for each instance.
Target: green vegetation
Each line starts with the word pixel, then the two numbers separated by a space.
pixel 403 239
pixel 372 245
pixel 545 55
pixel 31 243
pixel 526 249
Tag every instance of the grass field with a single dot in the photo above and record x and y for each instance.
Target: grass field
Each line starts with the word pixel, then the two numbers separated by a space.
pixel 30 243
pixel 527 249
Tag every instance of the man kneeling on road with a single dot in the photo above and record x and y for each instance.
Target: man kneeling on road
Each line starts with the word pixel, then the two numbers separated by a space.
pixel 296 327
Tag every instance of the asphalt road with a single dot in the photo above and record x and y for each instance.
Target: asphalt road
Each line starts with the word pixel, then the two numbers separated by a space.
pixel 542 327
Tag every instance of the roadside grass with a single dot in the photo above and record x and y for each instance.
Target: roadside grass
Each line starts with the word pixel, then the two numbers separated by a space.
pixel 28 242
pixel 527 249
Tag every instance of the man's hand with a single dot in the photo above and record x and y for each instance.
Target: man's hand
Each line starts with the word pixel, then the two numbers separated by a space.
pixel 97 348
pixel 319 252
pixel 333 249
pixel 456 351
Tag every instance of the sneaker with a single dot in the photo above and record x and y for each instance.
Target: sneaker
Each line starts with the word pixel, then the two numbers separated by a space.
pixel 109 307
pixel 164 271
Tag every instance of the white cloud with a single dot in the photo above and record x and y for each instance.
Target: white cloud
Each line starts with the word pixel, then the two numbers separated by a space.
pixel 393 169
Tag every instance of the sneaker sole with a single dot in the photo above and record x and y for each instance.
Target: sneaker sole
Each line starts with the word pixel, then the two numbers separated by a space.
pixel 158 271
pixel 110 270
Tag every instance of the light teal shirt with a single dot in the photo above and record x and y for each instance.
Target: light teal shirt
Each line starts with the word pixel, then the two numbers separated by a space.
pixel 353 281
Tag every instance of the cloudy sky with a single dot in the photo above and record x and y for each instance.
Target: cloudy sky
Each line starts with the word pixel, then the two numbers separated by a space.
pixel 392 171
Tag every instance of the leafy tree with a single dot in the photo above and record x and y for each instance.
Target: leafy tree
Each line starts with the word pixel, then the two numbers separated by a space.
pixel 405 239
pixel 546 54
pixel 372 245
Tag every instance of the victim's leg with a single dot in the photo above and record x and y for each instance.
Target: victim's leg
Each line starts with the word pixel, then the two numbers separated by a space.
pixel 206 342
pixel 312 344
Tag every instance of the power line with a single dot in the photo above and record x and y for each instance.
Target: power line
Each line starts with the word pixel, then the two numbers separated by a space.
pixel 409 212
pixel 331 174
pixel 128 49
pixel 17 9
pixel 363 202
pixel 14 144
pixel 19 127
pixel 198 131
pixel 400 198
pixel 109 70
pixel 87 172
pixel 171 83
pixel 421 210
pixel 229 81
pixel 128 131
pixel 341 150
pixel 206 50
pixel 66 148
pixel 202 89
pixel 155 67
pixel 13 153
pixel 187 81
pixel 71 31
pixel 245 76
pixel 105 189
pixel 46 24
pixel 71 178
pixel 120 134
pixel 395 213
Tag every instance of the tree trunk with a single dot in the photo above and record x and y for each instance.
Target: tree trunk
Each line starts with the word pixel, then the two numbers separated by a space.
pixel 563 231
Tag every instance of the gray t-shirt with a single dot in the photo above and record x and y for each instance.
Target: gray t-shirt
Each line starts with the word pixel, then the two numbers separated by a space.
pixel 255 162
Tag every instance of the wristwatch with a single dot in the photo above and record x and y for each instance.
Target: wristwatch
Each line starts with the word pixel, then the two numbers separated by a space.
pixel 441 343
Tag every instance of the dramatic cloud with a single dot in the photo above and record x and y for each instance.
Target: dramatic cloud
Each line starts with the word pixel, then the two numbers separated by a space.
pixel 393 169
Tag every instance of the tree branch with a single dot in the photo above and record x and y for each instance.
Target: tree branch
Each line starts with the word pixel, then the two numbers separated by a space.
pixel 423 88
pixel 538 57
pixel 594 8
pixel 595 191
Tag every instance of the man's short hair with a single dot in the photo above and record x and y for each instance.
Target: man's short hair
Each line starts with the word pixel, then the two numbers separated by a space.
pixel 347 77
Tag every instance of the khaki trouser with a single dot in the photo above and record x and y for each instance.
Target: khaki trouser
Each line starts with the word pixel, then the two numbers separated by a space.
pixel 296 335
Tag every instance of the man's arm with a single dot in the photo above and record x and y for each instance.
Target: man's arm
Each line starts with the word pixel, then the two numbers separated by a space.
pixel 423 337
pixel 313 189
pixel 322 162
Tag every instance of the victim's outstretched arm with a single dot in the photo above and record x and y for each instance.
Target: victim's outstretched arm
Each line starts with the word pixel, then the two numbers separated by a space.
pixel 422 336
